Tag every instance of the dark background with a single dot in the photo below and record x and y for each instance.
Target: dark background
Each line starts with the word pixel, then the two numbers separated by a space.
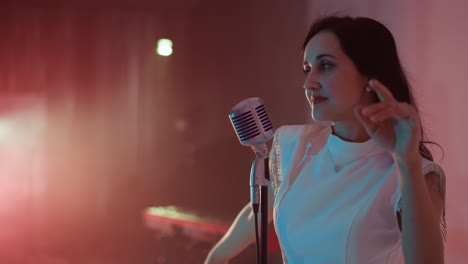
pixel 112 128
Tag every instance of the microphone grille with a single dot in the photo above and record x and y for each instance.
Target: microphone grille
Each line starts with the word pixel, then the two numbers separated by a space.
pixel 264 118
pixel 245 126
pixel 251 122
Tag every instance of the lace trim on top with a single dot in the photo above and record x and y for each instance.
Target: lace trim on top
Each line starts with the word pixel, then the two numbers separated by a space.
pixel 275 170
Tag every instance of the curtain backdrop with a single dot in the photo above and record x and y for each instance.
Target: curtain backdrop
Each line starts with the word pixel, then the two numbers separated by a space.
pixel 95 126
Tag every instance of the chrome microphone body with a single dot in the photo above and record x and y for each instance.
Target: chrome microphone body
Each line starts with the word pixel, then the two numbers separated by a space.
pixel 253 128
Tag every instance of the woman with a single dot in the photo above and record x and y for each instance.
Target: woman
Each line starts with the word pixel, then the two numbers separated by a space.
pixel 362 188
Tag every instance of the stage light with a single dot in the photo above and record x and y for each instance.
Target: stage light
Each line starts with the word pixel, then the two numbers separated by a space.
pixel 164 47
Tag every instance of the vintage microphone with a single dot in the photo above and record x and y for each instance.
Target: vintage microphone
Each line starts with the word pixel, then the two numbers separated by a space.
pixel 254 128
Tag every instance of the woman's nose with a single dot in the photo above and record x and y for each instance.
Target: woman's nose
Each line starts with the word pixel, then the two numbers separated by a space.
pixel 311 84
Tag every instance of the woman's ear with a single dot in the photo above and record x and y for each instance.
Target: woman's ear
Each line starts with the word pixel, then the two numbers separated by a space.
pixel 370 91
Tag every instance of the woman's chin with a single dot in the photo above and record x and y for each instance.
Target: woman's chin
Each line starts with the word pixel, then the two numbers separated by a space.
pixel 319 117
pixel 316 117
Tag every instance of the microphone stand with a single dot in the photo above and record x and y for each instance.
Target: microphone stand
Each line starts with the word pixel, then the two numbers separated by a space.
pixel 259 180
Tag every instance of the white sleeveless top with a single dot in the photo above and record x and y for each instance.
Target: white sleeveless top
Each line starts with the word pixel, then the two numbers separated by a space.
pixel 326 216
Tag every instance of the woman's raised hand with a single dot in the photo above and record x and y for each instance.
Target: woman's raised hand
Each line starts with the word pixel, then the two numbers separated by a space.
pixel 393 125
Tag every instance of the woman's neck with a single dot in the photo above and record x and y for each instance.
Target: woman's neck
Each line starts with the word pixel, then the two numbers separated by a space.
pixel 351 131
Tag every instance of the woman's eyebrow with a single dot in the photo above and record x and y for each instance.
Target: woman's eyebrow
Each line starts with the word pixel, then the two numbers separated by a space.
pixel 320 56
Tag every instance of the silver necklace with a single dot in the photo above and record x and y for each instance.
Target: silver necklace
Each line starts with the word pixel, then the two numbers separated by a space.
pixel 338 167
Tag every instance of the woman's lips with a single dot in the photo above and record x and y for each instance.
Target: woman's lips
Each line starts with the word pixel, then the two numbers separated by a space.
pixel 318 99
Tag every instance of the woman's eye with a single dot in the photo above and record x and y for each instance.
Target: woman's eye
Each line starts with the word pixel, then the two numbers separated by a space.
pixel 306 70
pixel 325 66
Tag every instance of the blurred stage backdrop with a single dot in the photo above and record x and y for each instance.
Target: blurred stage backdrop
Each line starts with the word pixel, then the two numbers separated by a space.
pixel 96 127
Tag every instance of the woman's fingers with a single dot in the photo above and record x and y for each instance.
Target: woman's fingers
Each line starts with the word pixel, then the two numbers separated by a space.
pixel 385 111
pixel 368 124
pixel 383 115
pixel 370 110
pixel 381 90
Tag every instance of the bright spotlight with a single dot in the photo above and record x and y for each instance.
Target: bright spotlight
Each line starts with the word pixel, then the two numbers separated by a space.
pixel 164 47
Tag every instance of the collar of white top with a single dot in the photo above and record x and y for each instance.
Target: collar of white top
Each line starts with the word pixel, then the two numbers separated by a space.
pixel 345 152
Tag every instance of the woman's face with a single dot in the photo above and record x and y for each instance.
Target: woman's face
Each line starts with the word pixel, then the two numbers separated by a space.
pixel 333 85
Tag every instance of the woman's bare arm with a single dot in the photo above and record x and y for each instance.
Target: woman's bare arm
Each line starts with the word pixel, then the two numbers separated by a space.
pixel 240 235
pixel 421 214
